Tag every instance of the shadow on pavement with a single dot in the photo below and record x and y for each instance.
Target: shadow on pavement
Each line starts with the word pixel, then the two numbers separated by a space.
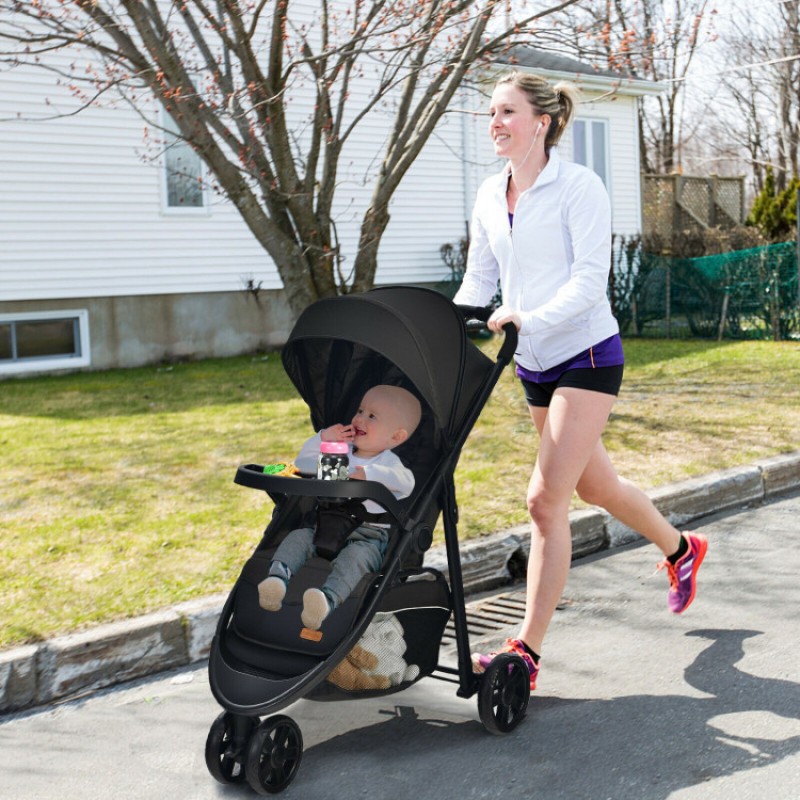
pixel 640 746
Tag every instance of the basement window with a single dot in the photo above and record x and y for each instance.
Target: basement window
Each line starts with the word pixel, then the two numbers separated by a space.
pixel 44 340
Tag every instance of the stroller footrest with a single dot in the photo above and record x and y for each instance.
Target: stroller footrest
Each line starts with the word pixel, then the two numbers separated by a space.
pixel 283 629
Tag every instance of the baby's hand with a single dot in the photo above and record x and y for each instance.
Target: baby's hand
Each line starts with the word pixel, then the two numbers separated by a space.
pixel 338 433
pixel 358 474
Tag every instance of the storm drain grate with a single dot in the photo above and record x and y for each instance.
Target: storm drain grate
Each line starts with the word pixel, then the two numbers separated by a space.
pixel 485 617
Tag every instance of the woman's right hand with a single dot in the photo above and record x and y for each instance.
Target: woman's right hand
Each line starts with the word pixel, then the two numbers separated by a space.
pixel 501 317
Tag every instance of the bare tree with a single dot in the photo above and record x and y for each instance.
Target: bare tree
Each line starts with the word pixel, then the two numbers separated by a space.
pixel 759 80
pixel 652 40
pixel 786 73
pixel 226 70
pixel 750 127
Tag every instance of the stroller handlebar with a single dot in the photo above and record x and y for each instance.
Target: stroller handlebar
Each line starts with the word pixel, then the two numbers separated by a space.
pixel 473 313
pixel 476 318
pixel 253 476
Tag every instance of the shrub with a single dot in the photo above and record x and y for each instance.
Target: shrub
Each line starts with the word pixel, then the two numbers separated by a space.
pixel 775 213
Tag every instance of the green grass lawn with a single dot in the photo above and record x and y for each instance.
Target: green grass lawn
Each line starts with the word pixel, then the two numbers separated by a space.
pixel 116 492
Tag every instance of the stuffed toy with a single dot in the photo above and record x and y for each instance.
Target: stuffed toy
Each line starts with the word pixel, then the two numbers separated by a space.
pixel 377 661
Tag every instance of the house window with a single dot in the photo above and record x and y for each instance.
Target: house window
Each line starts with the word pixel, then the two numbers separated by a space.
pixel 44 340
pixel 183 170
pixel 590 146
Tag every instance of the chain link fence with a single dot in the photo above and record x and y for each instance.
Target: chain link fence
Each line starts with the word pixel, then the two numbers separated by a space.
pixel 744 294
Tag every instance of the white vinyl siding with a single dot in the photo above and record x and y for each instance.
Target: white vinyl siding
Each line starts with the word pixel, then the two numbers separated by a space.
pixel 82 211
pixel 427 210
pixel 95 186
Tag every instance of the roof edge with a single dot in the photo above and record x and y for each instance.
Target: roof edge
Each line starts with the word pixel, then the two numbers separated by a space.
pixel 563 67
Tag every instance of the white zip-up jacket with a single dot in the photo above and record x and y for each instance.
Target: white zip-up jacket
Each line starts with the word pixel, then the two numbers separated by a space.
pixel 552 266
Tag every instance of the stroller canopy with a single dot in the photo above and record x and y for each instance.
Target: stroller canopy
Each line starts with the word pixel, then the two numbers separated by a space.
pixel 413 337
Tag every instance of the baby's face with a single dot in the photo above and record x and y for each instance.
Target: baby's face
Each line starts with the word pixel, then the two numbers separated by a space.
pixel 375 425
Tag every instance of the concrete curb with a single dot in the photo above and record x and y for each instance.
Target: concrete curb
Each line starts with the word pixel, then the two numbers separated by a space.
pixel 69 666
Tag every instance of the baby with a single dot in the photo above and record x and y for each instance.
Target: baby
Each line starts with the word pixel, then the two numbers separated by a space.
pixel 386 417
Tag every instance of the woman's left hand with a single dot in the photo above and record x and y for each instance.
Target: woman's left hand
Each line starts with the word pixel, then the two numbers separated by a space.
pixel 501 317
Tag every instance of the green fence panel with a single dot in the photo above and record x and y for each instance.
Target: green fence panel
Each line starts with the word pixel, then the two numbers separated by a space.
pixel 745 294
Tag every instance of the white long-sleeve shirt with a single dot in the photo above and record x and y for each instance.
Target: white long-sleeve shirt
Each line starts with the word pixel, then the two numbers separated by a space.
pixel 386 468
pixel 552 265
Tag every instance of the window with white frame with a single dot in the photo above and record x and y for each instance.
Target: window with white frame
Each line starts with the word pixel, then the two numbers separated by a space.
pixel 183 170
pixel 590 146
pixel 44 340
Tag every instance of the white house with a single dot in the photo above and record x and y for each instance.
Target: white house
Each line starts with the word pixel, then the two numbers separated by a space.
pixel 106 260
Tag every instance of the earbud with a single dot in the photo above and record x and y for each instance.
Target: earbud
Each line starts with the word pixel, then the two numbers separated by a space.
pixel 541 125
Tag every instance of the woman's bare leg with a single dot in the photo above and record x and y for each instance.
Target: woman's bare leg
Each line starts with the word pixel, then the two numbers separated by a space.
pixel 601 486
pixel 570 430
pixel 572 456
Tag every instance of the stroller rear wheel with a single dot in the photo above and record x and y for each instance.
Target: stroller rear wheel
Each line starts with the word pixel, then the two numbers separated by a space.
pixel 226 746
pixel 504 693
pixel 274 754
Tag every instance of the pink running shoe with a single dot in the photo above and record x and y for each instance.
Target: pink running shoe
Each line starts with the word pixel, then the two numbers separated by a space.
pixel 683 575
pixel 481 662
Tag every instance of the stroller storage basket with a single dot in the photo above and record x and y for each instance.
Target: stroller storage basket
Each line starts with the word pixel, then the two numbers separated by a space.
pixel 401 644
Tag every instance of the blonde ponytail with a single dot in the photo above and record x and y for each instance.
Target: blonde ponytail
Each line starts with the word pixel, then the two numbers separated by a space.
pixel 559 102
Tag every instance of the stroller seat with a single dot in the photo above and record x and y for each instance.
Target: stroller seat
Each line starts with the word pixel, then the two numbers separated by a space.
pixel 259 632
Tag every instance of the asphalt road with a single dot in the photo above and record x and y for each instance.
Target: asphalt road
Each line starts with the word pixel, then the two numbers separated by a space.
pixel 633 702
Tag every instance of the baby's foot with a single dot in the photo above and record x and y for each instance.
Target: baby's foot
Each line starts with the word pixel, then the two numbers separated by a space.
pixel 271 592
pixel 315 608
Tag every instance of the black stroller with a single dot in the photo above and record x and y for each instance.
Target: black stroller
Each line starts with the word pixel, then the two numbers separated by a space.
pixel 260 661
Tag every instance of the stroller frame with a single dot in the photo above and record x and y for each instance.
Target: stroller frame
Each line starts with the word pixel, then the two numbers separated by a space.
pixel 267 754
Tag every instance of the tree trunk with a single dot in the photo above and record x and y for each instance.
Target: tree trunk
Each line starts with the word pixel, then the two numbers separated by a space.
pixel 372 229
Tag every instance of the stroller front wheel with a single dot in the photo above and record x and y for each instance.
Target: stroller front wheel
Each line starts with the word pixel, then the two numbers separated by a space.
pixel 226 746
pixel 274 754
pixel 504 693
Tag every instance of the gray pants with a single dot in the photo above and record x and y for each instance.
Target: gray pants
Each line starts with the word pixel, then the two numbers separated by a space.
pixel 363 552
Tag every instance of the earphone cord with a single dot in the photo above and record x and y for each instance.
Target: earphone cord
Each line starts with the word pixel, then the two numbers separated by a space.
pixel 522 163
